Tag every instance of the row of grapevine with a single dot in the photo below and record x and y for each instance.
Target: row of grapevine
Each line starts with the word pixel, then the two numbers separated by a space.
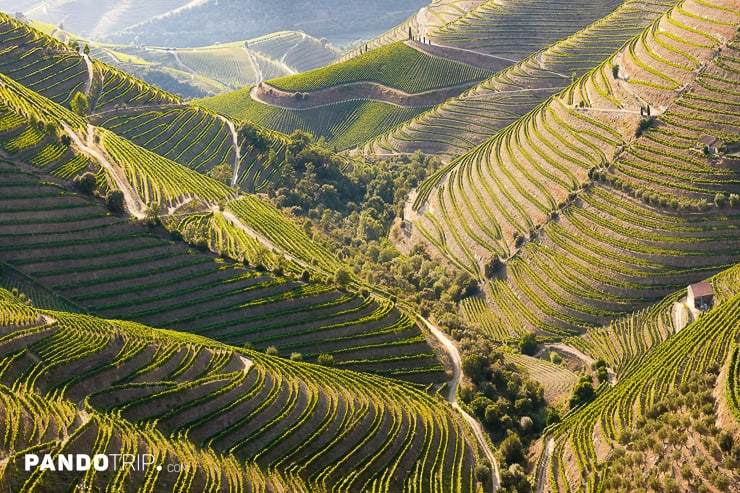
pixel 182 397
pixel 502 99
pixel 188 135
pixel 70 244
pixel 396 65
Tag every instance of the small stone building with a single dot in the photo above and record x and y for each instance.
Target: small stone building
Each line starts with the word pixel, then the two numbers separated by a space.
pixel 700 295
pixel 712 143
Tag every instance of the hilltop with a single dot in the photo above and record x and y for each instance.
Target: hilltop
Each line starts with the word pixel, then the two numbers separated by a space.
pixel 474 232
pixel 182 23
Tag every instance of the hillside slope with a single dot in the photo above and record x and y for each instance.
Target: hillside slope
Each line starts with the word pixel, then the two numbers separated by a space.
pixel 651 417
pixel 581 250
pixel 232 420
pixel 463 122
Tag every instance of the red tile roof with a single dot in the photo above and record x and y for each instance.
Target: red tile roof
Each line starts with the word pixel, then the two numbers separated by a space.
pixel 701 289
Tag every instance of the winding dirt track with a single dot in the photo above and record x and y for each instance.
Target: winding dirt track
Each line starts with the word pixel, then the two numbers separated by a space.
pixel 452 385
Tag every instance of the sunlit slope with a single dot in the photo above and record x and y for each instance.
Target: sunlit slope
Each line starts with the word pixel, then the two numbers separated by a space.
pixel 68 243
pixel 660 385
pixel 240 420
pixel 353 101
pixel 515 28
pixel 463 122
pixel 585 250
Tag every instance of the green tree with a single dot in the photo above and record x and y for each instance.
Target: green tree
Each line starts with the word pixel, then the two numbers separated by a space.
pixel 343 276
pixel 114 201
pixel 512 450
pixel 79 104
pixel 86 49
pixel 222 172
pixel 86 183
pixel 325 359
pixel 583 392
pixel 528 344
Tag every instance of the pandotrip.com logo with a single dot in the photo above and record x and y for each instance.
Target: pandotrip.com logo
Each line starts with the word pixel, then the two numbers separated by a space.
pixel 98 462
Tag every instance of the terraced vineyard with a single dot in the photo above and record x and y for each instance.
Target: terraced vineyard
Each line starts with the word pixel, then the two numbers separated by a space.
pixel 280 424
pixel 518 28
pixel 94 259
pixel 396 65
pixel 463 122
pixel 57 77
pixel 584 266
pixel 188 135
pixel 431 17
pixel 663 370
pixel 294 49
pixel 343 124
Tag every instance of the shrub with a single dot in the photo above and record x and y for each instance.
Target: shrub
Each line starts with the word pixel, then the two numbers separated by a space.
pixel 86 183
pixel 720 200
pixel 271 350
pixel 528 344
pixel 325 359
pixel 114 201
pixel 296 357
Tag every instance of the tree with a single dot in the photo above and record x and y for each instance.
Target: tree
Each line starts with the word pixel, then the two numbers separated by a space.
pixel 222 172
pixel 343 276
pixel 583 392
pixel 325 359
pixel 271 350
pixel 615 71
pixel 482 473
pixel 296 357
pixel 493 266
pixel 528 344
pixel 114 201
pixel 79 104
pixel 473 366
pixel 86 49
pixel 512 450
pixel 152 213
pixel 86 183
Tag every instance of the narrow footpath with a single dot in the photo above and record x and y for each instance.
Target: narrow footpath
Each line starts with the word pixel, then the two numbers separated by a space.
pixel 452 385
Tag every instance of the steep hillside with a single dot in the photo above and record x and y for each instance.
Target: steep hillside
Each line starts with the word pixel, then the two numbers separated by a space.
pixel 670 422
pixel 183 23
pixel 463 122
pixel 581 250
pixel 230 420
pixel 62 259
pixel 351 102
pixel 153 185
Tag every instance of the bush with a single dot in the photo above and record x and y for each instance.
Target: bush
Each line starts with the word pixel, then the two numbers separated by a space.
pixel 555 358
pixel 512 450
pixel 86 183
pixel 528 344
pixel 483 473
pixel 114 201
pixel 325 359
pixel 720 200
pixel 296 357
pixel 583 392
pixel 271 350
